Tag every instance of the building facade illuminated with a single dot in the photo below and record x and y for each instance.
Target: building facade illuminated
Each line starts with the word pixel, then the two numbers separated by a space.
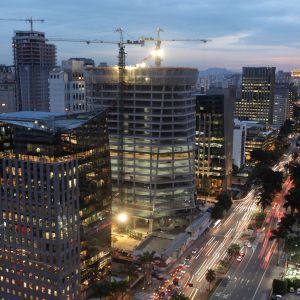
pixel 67 86
pixel 55 201
pixel 214 141
pixel 8 101
pixel 281 104
pixel 158 138
pixel 257 99
pixel 33 59
pixel 239 141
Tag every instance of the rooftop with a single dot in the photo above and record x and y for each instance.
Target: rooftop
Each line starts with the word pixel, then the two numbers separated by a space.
pixel 48 121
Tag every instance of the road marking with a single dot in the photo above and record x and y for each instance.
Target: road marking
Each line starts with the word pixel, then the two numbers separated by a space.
pixel 262 277
pixel 210 240
pixel 196 291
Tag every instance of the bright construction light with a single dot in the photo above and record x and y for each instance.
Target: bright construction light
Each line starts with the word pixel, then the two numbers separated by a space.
pixel 122 217
pixel 157 53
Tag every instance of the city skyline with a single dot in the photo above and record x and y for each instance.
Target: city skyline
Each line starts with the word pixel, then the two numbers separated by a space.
pixel 256 34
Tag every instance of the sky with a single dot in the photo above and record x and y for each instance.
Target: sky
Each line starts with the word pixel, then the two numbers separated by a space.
pixel 242 32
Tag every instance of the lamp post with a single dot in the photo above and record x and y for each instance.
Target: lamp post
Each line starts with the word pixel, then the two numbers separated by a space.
pixel 122 219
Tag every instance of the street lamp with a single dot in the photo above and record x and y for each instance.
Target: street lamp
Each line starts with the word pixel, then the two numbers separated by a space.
pixel 122 217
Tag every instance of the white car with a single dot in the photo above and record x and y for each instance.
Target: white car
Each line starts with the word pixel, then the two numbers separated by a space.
pixel 194 251
pixel 298 291
pixel 240 258
pixel 248 244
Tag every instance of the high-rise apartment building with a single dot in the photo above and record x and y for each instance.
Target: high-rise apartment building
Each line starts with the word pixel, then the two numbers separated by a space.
pixel 55 201
pixel 33 59
pixel 67 86
pixel 7 89
pixel 151 138
pixel 214 138
pixel 256 103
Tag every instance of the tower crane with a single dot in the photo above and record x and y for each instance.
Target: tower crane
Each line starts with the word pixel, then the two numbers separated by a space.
pixel 29 20
pixel 120 104
pixel 157 52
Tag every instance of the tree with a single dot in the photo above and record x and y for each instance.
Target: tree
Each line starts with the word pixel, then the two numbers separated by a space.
pixel 233 250
pixel 217 212
pixel 210 277
pixel 292 200
pixel 286 129
pixel 179 296
pixel 263 157
pixel 119 287
pixel 295 174
pixel 224 201
pixel 265 200
pixel 146 260
pixel 108 288
pixel 279 286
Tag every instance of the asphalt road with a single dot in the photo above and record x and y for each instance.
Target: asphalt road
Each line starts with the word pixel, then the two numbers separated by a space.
pixel 251 278
pixel 214 246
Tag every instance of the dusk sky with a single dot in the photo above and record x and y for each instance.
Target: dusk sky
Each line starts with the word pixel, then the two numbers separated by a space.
pixel 243 32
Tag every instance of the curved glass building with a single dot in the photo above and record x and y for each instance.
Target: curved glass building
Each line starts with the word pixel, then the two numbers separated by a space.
pixel 152 137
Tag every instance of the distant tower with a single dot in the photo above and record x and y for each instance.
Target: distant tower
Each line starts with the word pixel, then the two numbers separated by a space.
pixel 33 59
pixel 257 101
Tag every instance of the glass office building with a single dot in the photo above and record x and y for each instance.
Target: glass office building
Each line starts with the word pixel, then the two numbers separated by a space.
pixel 214 141
pixel 55 202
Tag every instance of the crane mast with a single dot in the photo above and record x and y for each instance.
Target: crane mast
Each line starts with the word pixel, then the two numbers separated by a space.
pixel 120 100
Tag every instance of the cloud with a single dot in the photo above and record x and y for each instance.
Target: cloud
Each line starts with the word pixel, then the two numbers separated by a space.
pixel 242 32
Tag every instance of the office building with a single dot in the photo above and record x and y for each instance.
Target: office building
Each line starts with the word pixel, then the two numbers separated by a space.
pixel 7 89
pixel 33 60
pixel 281 104
pixel 214 138
pixel 239 142
pixel 258 137
pixel 256 103
pixel 55 204
pixel 67 86
pixel 283 77
pixel 151 139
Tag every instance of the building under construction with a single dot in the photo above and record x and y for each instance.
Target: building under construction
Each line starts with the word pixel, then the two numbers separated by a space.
pixel 33 59
pixel 152 132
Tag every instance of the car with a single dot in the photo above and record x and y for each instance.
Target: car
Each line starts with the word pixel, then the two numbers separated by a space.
pixel 278 297
pixel 298 291
pixel 194 251
pixel 189 257
pixel 242 253
pixel 292 290
pixel 190 284
pixel 248 244
pixel 240 258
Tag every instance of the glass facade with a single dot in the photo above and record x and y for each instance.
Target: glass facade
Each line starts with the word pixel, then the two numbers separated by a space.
pixel 158 136
pixel 257 99
pixel 55 203
pixel 214 137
